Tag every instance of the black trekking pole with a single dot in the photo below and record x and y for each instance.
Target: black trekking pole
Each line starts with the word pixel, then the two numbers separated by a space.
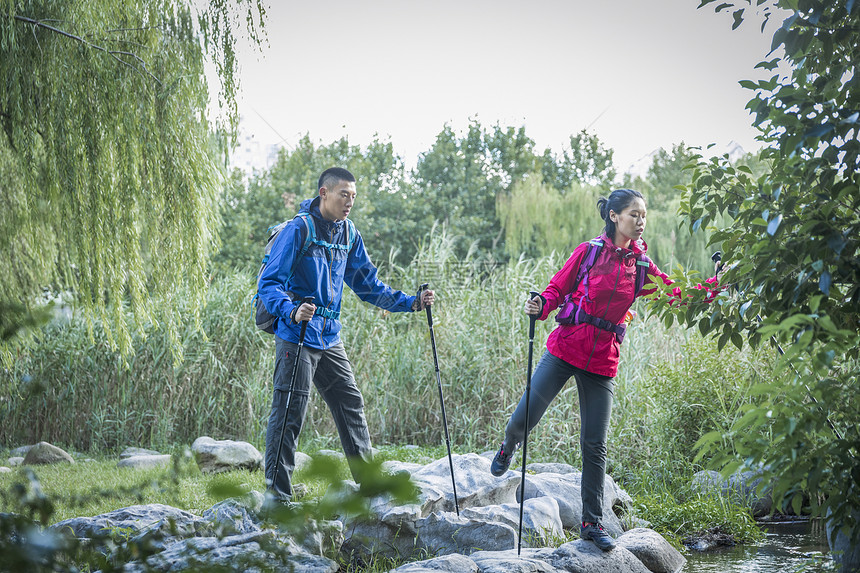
pixel 532 320
pixel 305 300
pixel 441 399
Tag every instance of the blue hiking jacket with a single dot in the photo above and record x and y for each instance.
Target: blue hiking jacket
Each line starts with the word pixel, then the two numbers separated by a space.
pixel 321 273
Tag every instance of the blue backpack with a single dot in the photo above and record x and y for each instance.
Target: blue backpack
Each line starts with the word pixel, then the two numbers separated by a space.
pixel 264 319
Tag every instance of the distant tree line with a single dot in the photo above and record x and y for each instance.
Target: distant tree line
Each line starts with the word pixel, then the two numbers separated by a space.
pixel 489 186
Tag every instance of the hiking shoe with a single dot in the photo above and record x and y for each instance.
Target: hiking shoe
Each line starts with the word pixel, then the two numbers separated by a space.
pixel 502 461
pixel 596 533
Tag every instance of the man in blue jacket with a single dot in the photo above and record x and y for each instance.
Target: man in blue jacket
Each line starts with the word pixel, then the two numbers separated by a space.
pixel 336 256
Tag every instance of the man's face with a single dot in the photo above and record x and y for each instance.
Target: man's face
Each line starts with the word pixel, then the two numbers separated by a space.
pixel 335 203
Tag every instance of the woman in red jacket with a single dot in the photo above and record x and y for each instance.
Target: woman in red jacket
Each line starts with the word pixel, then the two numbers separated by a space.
pixel 588 348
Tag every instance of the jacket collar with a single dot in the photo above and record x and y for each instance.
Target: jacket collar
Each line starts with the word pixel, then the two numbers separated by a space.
pixel 636 247
pixel 312 206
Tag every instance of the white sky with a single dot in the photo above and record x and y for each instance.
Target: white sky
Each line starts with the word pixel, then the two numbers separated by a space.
pixel 659 71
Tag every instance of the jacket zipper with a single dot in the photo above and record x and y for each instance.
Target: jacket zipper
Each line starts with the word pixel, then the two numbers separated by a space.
pixel 605 312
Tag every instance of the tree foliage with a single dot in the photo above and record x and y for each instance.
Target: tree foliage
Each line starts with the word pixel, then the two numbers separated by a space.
pixel 793 243
pixel 109 178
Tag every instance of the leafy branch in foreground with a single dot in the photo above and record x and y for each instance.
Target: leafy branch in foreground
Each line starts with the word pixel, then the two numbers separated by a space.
pixel 793 245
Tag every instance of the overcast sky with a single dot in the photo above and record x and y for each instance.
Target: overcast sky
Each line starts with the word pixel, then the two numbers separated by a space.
pixel 639 74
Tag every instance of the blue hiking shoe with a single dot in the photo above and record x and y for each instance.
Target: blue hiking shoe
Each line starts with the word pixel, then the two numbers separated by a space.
pixel 596 533
pixel 502 461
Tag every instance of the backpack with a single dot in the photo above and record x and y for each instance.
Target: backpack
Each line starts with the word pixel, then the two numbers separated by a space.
pixel 264 319
pixel 572 313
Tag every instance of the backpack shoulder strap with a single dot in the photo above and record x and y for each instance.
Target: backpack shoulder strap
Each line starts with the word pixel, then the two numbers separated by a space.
pixel 643 263
pixel 310 234
pixel 591 253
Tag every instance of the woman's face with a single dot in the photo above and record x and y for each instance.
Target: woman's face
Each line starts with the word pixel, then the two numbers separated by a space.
pixel 630 223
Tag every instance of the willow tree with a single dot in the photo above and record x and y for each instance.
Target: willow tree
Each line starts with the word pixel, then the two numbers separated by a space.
pixel 109 177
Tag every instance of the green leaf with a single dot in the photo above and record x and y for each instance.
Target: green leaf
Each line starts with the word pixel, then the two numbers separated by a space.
pixel 824 283
pixel 737 340
pixel 774 224
pixel 739 18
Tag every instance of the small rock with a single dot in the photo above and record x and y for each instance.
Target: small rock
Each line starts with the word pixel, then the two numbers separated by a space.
pixel 132 452
pixel 214 456
pixel 21 451
pixel 15 461
pixel 145 462
pixel 5 470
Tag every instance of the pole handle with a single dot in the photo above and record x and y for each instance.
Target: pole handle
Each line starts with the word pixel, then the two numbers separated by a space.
pixel 532 318
pixel 421 290
pixel 305 300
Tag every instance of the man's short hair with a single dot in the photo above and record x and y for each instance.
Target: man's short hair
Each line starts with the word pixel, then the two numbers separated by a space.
pixel 334 175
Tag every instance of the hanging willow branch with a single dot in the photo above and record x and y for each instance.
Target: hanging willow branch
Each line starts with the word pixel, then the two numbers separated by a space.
pixel 115 54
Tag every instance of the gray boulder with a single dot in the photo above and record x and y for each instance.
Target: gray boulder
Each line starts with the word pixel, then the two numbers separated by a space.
pixel 743 487
pixel 233 515
pixel 584 557
pixel 566 489
pixel 134 520
pixel 5 470
pixel 541 521
pixel 15 461
pixel 44 453
pixel 224 455
pixel 145 461
pixel 652 550
pixel 261 550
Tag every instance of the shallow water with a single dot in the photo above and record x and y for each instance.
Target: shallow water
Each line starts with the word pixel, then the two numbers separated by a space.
pixel 788 547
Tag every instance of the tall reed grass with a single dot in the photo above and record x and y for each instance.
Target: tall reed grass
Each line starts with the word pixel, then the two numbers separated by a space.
pixel 74 391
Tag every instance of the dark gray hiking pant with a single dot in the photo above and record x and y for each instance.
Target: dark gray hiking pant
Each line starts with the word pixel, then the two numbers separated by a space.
pixel 595 407
pixel 331 373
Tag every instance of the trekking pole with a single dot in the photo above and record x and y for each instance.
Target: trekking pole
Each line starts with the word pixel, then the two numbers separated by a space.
pixel 532 320
pixel 441 399
pixel 305 300
pixel 717 257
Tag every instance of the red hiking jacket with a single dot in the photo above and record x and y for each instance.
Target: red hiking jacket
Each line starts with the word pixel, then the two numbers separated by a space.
pixel 611 287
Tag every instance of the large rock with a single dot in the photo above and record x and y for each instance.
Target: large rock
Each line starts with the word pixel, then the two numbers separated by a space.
pixel 743 487
pixel 584 557
pixel 566 489
pixel 261 550
pixel 652 550
pixel 225 455
pixel 489 512
pixel 541 521
pixel 44 453
pixel 133 520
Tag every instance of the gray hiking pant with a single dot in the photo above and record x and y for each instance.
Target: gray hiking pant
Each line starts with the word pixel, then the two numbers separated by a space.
pixel 331 373
pixel 595 407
